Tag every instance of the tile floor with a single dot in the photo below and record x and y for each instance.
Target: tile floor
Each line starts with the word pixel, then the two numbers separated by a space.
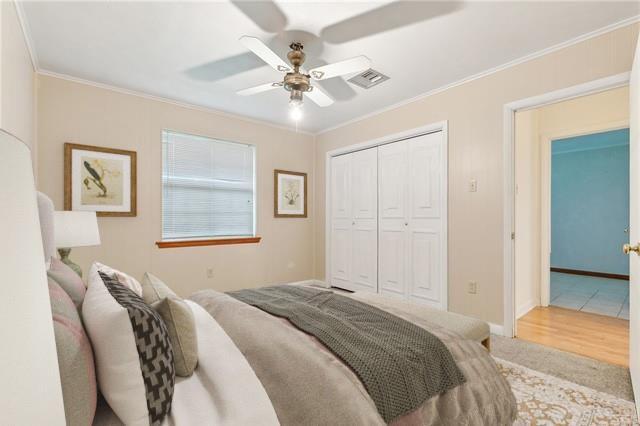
pixel 601 296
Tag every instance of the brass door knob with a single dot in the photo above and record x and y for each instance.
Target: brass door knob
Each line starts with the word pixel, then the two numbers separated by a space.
pixel 628 248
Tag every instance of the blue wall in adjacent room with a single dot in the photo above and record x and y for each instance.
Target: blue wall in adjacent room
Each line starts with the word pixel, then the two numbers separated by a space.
pixel 590 202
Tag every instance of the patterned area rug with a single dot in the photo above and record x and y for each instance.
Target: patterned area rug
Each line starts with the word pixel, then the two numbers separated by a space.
pixel 548 400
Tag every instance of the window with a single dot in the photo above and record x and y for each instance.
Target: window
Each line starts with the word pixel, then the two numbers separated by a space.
pixel 208 188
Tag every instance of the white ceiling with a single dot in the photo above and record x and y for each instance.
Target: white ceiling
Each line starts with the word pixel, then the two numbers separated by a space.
pixel 190 51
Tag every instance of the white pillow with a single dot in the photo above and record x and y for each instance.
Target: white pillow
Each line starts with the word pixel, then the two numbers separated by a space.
pixel 131 347
pixel 124 279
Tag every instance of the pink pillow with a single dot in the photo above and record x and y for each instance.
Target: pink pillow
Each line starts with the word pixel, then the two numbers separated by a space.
pixel 75 359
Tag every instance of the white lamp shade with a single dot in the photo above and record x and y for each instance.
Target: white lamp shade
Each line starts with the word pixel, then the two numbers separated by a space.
pixel 76 229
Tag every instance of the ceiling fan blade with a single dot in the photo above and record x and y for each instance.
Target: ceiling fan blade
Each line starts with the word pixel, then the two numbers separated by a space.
pixel 348 66
pixel 259 89
pixel 265 14
pixel 319 97
pixel 389 17
pixel 336 88
pixel 225 67
pixel 259 48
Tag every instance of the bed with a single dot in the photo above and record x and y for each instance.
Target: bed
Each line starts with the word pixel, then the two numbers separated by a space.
pixel 255 367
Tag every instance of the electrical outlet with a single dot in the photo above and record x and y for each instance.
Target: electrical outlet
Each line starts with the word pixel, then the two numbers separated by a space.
pixel 472 287
pixel 209 272
pixel 473 185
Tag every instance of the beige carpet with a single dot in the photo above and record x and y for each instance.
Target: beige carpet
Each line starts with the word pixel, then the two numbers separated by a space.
pixel 548 400
pixel 607 378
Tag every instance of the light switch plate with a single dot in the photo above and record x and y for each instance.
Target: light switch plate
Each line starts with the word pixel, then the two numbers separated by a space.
pixel 473 185
pixel 472 287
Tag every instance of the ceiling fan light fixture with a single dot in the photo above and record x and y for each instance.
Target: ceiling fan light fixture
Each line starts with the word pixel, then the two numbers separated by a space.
pixel 295 112
pixel 295 99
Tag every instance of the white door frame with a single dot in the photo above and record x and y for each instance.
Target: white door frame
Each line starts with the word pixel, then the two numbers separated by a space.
pixel 545 193
pixel 441 126
pixel 508 161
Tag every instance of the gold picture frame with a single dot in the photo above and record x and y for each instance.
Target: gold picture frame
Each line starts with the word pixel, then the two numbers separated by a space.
pixel 289 194
pixel 99 179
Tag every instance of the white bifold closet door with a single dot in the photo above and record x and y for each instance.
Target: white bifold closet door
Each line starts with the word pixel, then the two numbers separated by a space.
pixel 411 225
pixel 354 221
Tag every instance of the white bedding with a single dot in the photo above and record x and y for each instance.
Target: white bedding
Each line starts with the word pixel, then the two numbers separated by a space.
pixel 223 390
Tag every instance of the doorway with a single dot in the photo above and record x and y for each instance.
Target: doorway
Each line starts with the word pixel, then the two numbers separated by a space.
pixel 590 223
pixel 571 213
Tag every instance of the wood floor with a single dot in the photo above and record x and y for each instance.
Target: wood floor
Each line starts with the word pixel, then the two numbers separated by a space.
pixel 591 335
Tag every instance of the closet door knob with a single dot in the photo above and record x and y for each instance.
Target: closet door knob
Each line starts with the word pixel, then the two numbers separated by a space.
pixel 406 224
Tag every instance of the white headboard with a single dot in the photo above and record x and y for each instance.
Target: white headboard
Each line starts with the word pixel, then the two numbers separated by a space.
pixel 31 392
pixel 45 214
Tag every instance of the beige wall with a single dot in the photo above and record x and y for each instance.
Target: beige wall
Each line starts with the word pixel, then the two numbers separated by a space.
pixel 16 78
pixel 534 128
pixel 474 111
pixel 79 113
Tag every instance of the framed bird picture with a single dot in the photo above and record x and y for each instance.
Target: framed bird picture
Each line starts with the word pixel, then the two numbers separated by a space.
pixel 101 180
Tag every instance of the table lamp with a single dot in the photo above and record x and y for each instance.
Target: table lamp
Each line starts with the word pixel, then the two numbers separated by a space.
pixel 75 229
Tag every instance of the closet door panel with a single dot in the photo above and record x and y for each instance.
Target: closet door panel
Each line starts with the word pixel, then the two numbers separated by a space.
pixel 392 256
pixel 365 265
pixel 341 248
pixel 341 187
pixel 364 190
pixel 425 223
pixel 424 184
pixel 392 168
pixel 364 179
pixel 341 228
pixel 424 266
pixel 392 229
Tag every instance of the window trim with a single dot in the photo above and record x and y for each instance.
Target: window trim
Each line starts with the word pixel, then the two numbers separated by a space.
pixel 212 240
pixel 207 242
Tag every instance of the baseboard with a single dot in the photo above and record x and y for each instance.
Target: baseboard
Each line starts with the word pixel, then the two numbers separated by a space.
pixel 496 329
pixel 525 308
pixel 590 273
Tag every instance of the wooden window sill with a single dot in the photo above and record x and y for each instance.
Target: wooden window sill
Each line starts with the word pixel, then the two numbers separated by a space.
pixel 209 242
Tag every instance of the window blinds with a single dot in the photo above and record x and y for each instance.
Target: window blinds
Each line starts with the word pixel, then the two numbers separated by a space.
pixel 207 187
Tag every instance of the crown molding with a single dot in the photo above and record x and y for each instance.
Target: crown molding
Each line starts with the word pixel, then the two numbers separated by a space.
pixel 26 31
pixel 604 30
pixel 170 101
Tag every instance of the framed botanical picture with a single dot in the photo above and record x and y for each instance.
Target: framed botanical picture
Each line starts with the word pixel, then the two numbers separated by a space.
pixel 101 180
pixel 290 195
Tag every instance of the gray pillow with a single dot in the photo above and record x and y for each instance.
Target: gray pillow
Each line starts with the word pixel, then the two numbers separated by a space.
pixel 181 326
pixel 179 319
pixel 153 289
pixel 68 280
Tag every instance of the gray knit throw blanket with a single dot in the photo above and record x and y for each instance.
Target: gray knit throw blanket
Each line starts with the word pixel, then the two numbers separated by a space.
pixel 400 364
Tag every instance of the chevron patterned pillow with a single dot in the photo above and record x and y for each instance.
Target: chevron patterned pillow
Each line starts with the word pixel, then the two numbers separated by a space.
pixel 134 357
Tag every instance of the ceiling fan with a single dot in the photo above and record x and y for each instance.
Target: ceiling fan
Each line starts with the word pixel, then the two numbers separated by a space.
pixel 297 81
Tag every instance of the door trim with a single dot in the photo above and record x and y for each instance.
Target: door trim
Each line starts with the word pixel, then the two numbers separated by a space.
pixel 508 163
pixel 545 194
pixel 441 126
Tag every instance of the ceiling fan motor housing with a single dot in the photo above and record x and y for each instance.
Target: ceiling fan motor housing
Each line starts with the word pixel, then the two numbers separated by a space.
pixel 296 82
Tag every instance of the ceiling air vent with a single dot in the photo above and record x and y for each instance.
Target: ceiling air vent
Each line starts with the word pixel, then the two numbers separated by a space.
pixel 368 79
